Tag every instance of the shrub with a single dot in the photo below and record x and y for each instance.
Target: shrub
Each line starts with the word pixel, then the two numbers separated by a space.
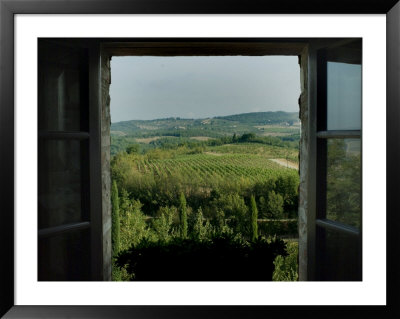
pixel 286 267
pixel 115 224
pixel 133 149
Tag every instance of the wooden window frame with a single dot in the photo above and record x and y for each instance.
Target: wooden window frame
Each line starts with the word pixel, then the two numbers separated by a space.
pixel 91 134
pixel 322 137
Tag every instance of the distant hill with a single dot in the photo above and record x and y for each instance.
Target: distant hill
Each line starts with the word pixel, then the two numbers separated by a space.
pixel 212 127
pixel 261 118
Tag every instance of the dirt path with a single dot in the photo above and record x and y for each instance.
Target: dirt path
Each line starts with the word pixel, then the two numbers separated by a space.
pixel 213 153
pixel 283 162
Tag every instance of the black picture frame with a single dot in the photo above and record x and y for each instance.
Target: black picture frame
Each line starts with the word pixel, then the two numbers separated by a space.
pixel 8 8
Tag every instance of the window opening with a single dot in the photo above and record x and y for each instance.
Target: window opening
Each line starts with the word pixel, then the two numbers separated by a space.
pixel 204 166
pixel 74 201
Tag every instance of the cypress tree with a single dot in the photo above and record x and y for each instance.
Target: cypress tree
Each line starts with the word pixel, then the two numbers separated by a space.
pixel 115 226
pixel 254 217
pixel 183 215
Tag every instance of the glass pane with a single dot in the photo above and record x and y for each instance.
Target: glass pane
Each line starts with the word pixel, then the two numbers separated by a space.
pixel 338 256
pixel 61 181
pixel 65 257
pixel 344 96
pixel 63 94
pixel 344 181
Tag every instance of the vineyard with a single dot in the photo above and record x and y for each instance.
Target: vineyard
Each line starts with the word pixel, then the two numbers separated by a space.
pixel 204 167
pixel 158 177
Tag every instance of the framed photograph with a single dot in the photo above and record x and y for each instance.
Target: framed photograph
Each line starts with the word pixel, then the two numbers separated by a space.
pixel 33 46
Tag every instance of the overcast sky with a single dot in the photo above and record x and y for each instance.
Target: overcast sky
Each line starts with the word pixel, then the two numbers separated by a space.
pixel 144 88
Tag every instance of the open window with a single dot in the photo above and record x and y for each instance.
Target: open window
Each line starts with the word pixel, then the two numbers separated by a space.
pixel 338 215
pixel 74 151
pixel 69 223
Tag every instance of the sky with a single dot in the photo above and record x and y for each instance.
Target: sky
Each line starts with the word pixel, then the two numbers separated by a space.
pixel 145 88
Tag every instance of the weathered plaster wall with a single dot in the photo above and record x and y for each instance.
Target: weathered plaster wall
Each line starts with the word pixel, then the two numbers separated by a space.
pixel 105 163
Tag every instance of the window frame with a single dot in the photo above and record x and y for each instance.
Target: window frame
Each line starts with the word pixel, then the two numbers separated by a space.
pixel 101 50
pixel 322 222
pixel 89 133
pixel 249 47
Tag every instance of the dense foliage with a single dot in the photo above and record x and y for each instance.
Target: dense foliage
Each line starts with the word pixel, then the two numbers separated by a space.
pixel 287 267
pixel 115 227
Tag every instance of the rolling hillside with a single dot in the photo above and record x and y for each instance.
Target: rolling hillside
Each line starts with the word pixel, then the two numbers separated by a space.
pixel 258 122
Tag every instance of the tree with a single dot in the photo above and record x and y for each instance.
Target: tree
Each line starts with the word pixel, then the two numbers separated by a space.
pixel 133 149
pixel 220 219
pixel 247 137
pixel 287 187
pixel 183 215
pixel 235 209
pixel 234 138
pixel 115 226
pixel 263 207
pixel 274 205
pixel 254 217
pixel 163 224
pixel 133 225
pixel 201 227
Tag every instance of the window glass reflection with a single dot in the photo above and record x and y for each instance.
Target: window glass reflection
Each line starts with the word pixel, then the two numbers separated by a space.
pixel 344 96
pixel 60 182
pixel 63 93
pixel 344 181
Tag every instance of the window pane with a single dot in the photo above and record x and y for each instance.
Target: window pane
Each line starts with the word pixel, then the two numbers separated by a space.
pixel 344 96
pixel 338 256
pixel 61 176
pixel 63 94
pixel 65 256
pixel 344 181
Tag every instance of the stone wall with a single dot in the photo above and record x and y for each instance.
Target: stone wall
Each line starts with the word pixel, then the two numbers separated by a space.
pixel 105 162
pixel 303 168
